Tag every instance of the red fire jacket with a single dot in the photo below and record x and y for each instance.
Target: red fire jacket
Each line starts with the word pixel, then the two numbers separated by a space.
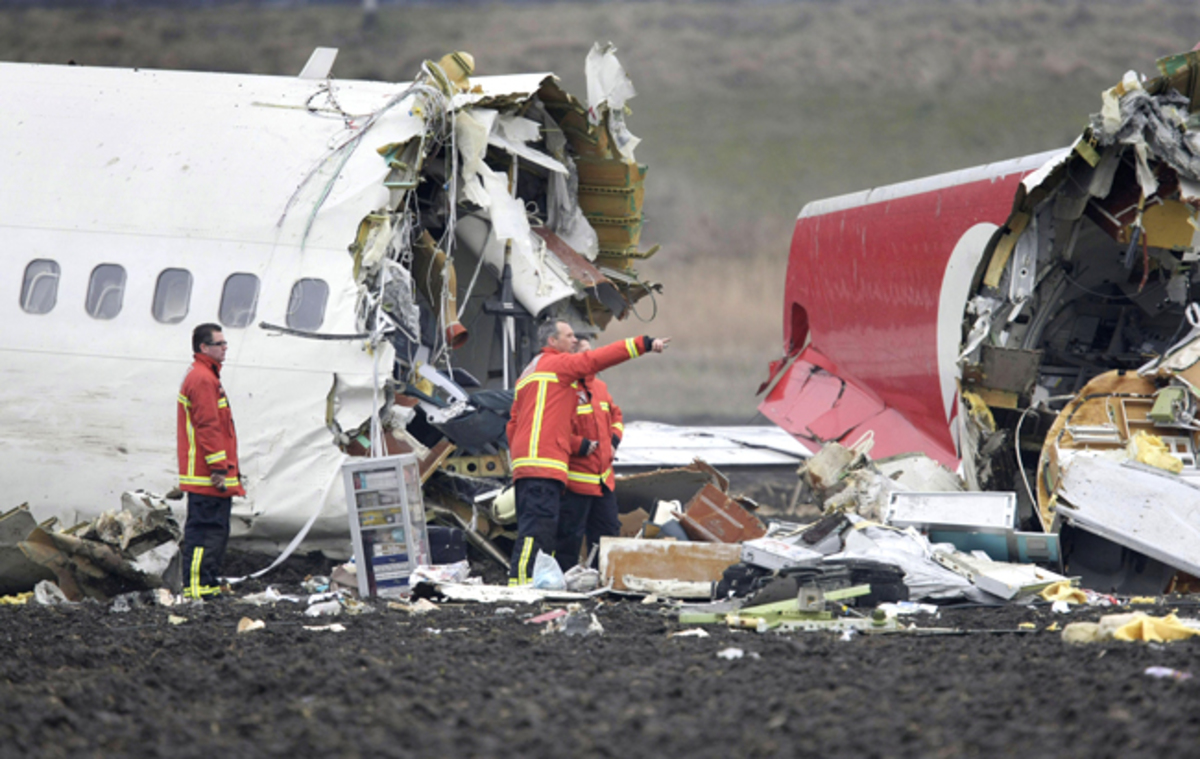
pixel 539 432
pixel 596 418
pixel 206 440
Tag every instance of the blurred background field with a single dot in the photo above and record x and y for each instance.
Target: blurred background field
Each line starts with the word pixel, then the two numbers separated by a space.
pixel 747 111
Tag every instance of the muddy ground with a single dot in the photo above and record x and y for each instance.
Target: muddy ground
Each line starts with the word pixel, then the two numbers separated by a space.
pixel 473 681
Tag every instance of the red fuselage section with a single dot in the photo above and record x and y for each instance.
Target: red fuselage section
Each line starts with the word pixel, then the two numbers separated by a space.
pixel 870 277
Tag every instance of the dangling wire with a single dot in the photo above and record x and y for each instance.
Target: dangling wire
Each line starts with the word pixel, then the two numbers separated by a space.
pixel 434 101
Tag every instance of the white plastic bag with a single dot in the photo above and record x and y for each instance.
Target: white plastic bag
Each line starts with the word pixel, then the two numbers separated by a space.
pixel 581 579
pixel 547 575
pixel 48 594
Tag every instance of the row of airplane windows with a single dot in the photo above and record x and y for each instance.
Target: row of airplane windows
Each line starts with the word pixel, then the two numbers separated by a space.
pixel 172 295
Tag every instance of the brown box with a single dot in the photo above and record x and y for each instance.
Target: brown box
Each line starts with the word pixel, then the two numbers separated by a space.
pixel 715 517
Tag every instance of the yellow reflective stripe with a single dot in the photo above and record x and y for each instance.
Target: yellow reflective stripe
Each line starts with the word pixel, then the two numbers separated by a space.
pixel 184 400
pixel 584 409
pixel 191 436
pixel 194 575
pixel 631 346
pixel 522 566
pixel 230 482
pixel 223 403
pixel 215 457
pixel 589 477
pixel 537 377
pixel 548 463
pixel 539 410
pixel 594 479
pixel 604 405
pixel 205 590
pixel 619 426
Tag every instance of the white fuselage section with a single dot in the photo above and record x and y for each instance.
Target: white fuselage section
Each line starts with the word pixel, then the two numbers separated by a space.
pixel 154 170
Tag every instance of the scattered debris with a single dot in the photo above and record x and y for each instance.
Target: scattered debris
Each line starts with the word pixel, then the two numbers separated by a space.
pixel 130 549
pixel 48 594
pixel 245 625
pixel 1167 673
pixel 695 632
pixel 324 608
pixel 1134 626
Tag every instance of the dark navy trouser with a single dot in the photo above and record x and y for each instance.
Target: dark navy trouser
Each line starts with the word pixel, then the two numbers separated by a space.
pixel 538 502
pixel 205 535
pixel 593 516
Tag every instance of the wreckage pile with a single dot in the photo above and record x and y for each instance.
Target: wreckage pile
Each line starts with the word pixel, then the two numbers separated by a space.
pixel 897 538
pixel 1078 363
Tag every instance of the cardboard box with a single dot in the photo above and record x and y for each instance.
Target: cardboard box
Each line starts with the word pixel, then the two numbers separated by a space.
pixel 715 517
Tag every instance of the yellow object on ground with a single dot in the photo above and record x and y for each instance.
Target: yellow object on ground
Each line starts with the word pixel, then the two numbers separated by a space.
pixel 1081 632
pixel 1150 449
pixel 16 599
pixel 1155 629
pixel 1143 600
pixel 1063 591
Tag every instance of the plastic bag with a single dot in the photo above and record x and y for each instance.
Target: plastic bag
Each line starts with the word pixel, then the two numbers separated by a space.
pixel 547 575
pixel 48 594
pixel 437 573
pixel 580 579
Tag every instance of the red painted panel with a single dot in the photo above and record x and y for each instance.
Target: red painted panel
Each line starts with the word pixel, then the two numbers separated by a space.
pixel 869 280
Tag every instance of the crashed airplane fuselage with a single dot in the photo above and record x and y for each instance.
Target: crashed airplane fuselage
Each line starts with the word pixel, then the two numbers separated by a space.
pixel 351 237
pixel 971 315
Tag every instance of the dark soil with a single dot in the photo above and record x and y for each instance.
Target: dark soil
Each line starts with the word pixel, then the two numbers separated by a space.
pixel 473 680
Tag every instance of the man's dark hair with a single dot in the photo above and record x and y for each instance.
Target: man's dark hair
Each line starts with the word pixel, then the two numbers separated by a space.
pixel 547 330
pixel 202 335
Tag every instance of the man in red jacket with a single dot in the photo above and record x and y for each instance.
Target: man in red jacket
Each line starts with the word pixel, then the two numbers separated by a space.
pixel 589 507
pixel 539 432
pixel 208 463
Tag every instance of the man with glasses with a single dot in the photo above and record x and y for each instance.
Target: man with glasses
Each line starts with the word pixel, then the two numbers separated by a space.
pixel 208 463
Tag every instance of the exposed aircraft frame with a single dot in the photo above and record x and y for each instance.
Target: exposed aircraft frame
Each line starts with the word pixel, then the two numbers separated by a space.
pixel 376 252
pixel 1025 319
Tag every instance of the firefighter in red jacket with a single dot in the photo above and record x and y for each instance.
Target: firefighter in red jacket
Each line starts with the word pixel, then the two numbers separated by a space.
pixel 208 463
pixel 589 507
pixel 539 432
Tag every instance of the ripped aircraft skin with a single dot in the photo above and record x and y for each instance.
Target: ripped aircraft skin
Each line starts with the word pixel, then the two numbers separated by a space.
pixel 1033 320
pixel 351 237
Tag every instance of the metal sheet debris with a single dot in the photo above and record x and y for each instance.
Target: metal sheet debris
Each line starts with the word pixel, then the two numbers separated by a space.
pixel 1139 507
pixel 650 444
pixel 664 560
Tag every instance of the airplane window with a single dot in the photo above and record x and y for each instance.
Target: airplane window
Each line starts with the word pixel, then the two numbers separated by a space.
pixel 306 308
pixel 172 295
pixel 239 300
pixel 106 290
pixel 39 291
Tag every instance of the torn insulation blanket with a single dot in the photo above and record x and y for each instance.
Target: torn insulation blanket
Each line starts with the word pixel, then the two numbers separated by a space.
pixel 352 239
